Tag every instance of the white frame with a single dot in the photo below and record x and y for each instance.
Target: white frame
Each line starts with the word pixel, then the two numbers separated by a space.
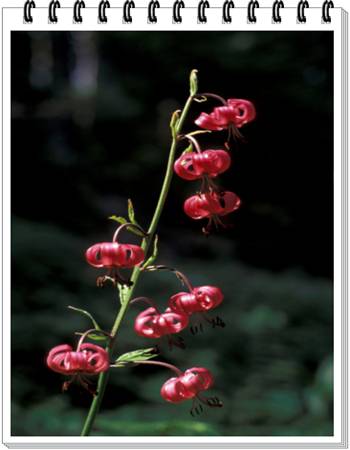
pixel 12 20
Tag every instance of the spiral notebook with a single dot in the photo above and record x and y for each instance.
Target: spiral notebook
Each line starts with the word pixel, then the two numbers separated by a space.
pixel 254 224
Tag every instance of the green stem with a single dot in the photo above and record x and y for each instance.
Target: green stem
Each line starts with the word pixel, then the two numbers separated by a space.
pixel 146 242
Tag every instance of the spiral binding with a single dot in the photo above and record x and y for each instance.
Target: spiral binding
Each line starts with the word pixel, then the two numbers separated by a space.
pixel 102 18
pixel 177 6
pixel 326 18
pixel 27 11
pixel 301 11
pixel 201 17
pixel 77 18
pixel 226 15
pixel 276 17
pixel 176 11
pixel 152 6
pixel 54 4
pixel 251 11
pixel 126 11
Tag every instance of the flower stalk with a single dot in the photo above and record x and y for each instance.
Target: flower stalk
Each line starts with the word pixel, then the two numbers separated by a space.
pixel 177 124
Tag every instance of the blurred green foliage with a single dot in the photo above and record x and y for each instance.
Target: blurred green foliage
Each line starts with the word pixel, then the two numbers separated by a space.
pixel 90 128
pixel 272 362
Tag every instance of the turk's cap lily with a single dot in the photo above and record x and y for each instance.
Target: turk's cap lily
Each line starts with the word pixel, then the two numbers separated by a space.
pixel 236 112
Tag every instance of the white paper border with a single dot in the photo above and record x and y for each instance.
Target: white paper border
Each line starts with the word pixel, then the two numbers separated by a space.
pixel 12 19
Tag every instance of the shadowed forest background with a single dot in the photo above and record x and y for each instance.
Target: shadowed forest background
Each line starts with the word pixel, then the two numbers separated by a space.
pixel 90 128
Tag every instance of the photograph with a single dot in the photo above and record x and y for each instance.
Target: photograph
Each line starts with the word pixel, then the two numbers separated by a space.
pixel 172 233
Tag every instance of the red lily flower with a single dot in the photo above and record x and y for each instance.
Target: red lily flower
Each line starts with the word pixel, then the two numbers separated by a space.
pixel 114 255
pixel 89 359
pixel 199 299
pixel 187 386
pixel 210 204
pixel 151 323
pixel 192 166
pixel 236 112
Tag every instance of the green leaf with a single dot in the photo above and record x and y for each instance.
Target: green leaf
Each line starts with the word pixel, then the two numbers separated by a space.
pixel 95 337
pixel 131 211
pixel 118 219
pixel 135 356
pixel 135 231
pixel 154 255
pixel 86 313
pixel 122 220
pixel 193 82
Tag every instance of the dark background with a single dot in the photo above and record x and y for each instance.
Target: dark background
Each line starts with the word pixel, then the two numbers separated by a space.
pixel 90 115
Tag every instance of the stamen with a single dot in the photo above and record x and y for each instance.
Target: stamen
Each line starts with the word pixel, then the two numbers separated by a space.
pixel 212 402
pixel 196 408
pixel 218 322
pixel 195 329
pixel 101 281
pixel 85 385
pixel 207 229
pixel 179 342
pixel 121 280
pixel 66 384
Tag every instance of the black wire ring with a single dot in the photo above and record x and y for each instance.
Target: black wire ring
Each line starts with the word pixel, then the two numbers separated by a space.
pixel 153 4
pixel 301 11
pixel 276 17
pixel 176 11
pixel 102 18
pixel 54 4
pixel 226 16
pixel 326 18
pixel 203 4
pixel 27 13
pixel 251 10
pixel 126 11
pixel 77 11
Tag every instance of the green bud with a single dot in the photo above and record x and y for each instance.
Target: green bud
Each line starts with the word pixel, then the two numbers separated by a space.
pixel 174 121
pixel 193 82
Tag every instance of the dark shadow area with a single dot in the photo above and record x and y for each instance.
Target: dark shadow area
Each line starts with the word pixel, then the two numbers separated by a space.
pixel 90 129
